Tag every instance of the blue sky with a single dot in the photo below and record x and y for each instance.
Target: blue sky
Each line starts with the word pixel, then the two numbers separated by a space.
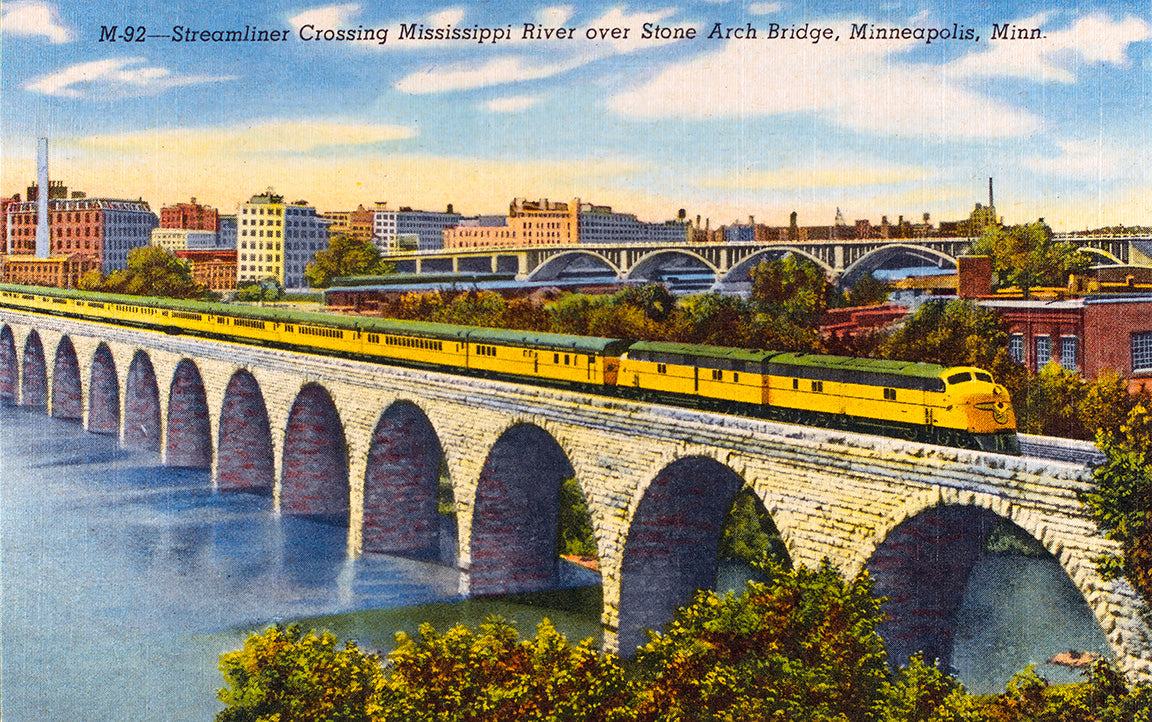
pixel 724 128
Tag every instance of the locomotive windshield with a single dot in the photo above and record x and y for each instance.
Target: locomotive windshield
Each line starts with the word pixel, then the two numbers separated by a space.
pixel 960 377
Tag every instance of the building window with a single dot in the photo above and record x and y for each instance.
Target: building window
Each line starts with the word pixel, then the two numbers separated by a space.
pixel 1016 347
pixel 1069 351
pixel 1043 351
pixel 1142 351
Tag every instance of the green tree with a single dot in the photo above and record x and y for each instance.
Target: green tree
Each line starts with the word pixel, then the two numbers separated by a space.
pixel 749 534
pixel 267 290
pixel 284 674
pixel 792 287
pixel 1121 499
pixel 345 256
pixel 151 271
pixel 1026 256
pixel 867 291
pixel 800 647
pixel 574 525
pixel 491 675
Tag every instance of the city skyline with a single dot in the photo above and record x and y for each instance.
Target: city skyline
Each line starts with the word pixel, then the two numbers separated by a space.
pixel 723 127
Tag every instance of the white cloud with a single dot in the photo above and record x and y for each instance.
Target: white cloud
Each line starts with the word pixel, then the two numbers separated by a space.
pixel 444 18
pixel 254 137
pixel 865 87
pixel 1093 39
pixel 555 16
pixel 765 8
pixel 841 176
pixel 512 103
pixel 33 19
pixel 1096 159
pixel 330 16
pixel 469 75
pixel 113 77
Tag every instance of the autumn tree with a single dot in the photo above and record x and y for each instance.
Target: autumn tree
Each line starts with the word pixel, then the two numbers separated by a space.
pixel 791 287
pixel 492 675
pixel 286 674
pixel 345 256
pixel 801 647
pixel 1026 256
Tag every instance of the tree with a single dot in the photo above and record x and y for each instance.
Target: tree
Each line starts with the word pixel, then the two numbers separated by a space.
pixel 345 256
pixel 1026 256
pixel 492 676
pixel 792 287
pixel 1121 499
pixel 867 291
pixel 284 674
pixel 267 290
pixel 800 647
pixel 151 271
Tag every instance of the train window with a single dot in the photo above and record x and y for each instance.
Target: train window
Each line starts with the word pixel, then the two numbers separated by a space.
pixel 717 375
pixel 661 368
pixel 981 376
pixel 960 377
pixel 890 394
pixel 735 377
pixel 818 386
pixel 565 359
pixel 555 358
pixel 796 383
pixel 591 360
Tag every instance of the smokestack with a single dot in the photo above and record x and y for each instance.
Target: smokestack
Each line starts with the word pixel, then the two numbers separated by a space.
pixel 43 236
pixel 990 203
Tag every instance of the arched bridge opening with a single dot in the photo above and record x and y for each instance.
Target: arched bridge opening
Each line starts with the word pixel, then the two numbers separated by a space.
pixel 679 271
pixel 315 475
pixel 34 374
pixel 103 393
pixel 739 277
pixel 515 513
pixel 245 460
pixel 897 257
pixel 189 437
pixel 575 265
pixel 671 547
pixel 401 484
pixel 925 569
pixel 141 405
pixel 67 399
pixel 9 372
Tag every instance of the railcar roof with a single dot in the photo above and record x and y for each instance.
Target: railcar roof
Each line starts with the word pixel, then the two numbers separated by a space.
pixel 866 365
pixel 695 349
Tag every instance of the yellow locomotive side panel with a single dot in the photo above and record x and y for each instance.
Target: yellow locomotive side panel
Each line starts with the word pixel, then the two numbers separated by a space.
pixel 736 386
pixel 658 377
pixel 440 352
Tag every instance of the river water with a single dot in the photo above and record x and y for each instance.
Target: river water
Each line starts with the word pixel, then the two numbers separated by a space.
pixel 121 583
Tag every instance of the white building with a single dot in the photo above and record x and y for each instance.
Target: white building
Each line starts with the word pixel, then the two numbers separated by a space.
pixel 392 230
pixel 598 224
pixel 182 239
pixel 277 240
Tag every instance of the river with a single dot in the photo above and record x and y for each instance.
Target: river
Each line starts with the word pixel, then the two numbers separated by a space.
pixel 123 581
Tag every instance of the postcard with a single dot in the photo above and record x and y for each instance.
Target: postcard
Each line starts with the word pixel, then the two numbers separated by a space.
pixel 130 561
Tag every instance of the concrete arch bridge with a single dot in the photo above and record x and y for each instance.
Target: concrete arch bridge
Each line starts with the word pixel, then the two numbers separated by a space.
pixel 361 445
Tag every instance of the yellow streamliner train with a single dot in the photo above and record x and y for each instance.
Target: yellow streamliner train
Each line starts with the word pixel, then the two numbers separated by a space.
pixel 958 406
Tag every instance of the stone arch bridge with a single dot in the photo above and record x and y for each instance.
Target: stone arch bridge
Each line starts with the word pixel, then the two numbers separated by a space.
pixel 362 445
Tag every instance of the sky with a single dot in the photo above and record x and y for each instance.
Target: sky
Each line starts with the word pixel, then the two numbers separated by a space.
pixel 723 127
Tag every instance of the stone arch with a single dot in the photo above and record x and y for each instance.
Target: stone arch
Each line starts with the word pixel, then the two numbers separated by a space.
pixel 557 265
pixel 741 272
pixel 670 550
pixel 67 397
pixel 9 369
pixel 670 266
pixel 1101 254
pixel 924 561
pixel 515 512
pixel 189 434
pixel 34 374
pixel 245 460
pixel 874 259
pixel 315 469
pixel 103 393
pixel 141 405
pixel 400 484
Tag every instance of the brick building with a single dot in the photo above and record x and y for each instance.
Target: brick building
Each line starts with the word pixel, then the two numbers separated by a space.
pixel 103 228
pixel 216 269
pixel 190 217
pixel 57 271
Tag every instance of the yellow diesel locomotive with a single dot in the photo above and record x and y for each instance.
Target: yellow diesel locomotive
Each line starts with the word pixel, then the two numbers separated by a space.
pixel 957 406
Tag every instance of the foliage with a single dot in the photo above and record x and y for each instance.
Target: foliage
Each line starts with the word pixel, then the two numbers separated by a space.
pixel 151 271
pixel 792 287
pixel 868 291
pixel 802 646
pixel 922 693
pixel 345 256
pixel 1121 499
pixel 492 676
pixel 749 534
pixel 1104 697
pixel 284 674
pixel 574 535
pixel 267 290
pixel 1025 256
